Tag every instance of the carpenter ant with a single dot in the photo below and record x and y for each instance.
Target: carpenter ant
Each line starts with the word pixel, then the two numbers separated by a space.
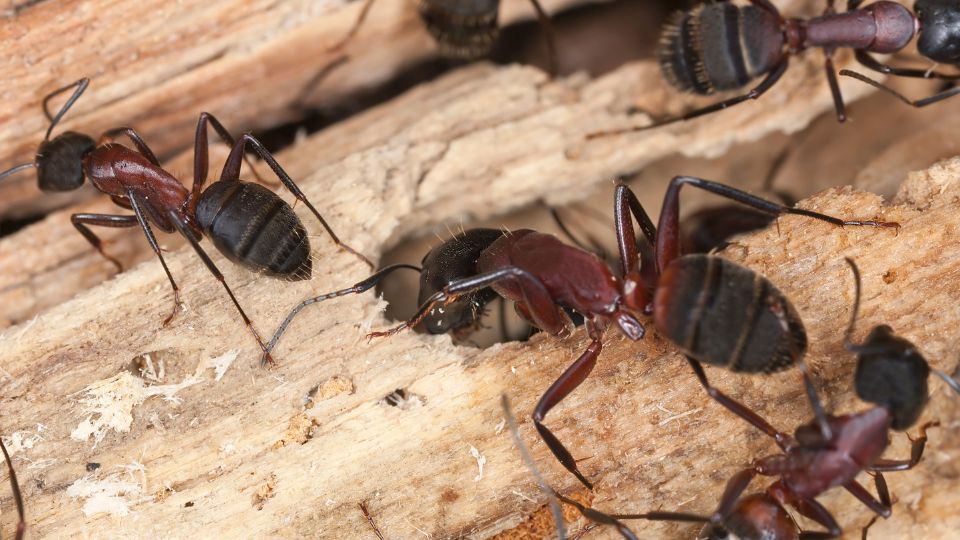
pixel 891 374
pixel 17 497
pixel 721 46
pixel 463 29
pixel 247 222
pixel 718 312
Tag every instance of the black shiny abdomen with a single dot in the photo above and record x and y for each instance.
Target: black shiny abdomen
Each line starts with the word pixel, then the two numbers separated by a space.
pixel 719 46
pixel 452 260
pixel 254 227
pixel 724 314
pixel 464 29
pixel 60 161
pixel 893 374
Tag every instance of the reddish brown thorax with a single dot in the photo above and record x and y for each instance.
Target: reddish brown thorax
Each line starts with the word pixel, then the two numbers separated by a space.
pixel 115 170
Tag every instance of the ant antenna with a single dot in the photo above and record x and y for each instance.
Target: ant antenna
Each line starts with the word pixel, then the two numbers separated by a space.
pixel 17 169
pixel 951 382
pixel 81 85
pixel 17 497
pixel 552 495
pixel 856 303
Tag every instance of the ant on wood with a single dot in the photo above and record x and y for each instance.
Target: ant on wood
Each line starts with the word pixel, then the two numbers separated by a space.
pixel 891 374
pixel 247 222
pixel 720 46
pixel 748 325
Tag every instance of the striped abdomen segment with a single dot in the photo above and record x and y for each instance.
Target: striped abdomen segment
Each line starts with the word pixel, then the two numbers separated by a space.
pixel 464 29
pixel 724 314
pixel 719 46
pixel 254 227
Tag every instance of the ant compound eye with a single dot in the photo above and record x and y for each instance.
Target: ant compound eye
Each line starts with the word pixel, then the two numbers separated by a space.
pixel 939 30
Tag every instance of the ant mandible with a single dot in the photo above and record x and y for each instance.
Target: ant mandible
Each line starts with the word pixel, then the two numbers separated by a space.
pixel 247 222
pixel 747 325
pixel 721 46
pixel 891 374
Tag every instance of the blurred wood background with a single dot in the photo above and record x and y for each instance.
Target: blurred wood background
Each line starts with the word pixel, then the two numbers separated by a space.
pixel 291 452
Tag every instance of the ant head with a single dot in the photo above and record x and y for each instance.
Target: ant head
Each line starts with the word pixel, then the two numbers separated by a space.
pixel 59 161
pixel 755 516
pixel 890 371
pixel 892 374
pixel 453 260
pixel 939 30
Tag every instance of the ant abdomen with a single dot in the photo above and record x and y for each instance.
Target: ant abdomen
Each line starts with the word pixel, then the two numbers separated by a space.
pixel 59 161
pixel 724 314
pixel 719 46
pixel 254 227
pixel 464 29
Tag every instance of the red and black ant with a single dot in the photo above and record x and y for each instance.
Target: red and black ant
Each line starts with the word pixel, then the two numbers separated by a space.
pixel 247 222
pixel 720 46
pixel 891 374
pixel 718 312
pixel 17 497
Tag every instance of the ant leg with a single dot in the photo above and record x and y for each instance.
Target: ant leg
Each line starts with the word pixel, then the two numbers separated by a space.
pixel 369 518
pixel 182 227
pixel 357 288
pixel 668 239
pixel 812 509
pixel 863 533
pixel 951 382
pixel 80 85
pixel 201 159
pixel 353 29
pixel 916 452
pixel 568 381
pixel 633 253
pixel 783 440
pixel 17 496
pixel 231 172
pixel 544 312
pixel 610 519
pixel 551 37
pixel 80 221
pixel 135 138
pixel 868 61
pixel 834 85
pixel 881 508
pixel 917 103
pixel 754 93
pixel 148 232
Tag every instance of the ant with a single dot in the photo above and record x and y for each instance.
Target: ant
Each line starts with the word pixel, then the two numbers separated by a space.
pixel 247 222
pixel 717 311
pixel 891 374
pixel 463 29
pixel 721 46
pixel 17 497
